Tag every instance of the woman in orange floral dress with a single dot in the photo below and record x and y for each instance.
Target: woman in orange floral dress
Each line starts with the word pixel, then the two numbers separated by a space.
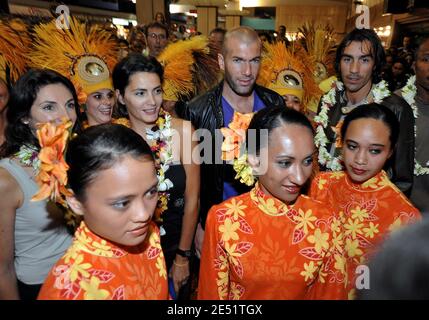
pixel 273 242
pixel 116 253
pixel 370 206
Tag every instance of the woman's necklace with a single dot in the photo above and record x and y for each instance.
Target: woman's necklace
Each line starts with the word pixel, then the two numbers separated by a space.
pixel 29 156
pixel 161 145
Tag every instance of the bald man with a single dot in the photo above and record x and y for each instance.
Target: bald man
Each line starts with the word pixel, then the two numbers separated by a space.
pixel 238 92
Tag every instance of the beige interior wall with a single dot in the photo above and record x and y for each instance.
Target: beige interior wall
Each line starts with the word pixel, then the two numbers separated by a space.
pixel 375 12
pixel 212 19
pixel 207 19
pixel 294 16
pixel 202 18
pixel 146 10
pixel 158 6
pixel 232 22
pixel 376 18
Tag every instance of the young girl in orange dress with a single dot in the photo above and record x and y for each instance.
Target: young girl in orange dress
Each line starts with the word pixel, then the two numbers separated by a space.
pixel 370 206
pixel 273 242
pixel 116 252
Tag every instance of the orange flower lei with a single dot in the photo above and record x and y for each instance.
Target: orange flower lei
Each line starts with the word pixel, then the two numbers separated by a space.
pixel 52 175
pixel 235 135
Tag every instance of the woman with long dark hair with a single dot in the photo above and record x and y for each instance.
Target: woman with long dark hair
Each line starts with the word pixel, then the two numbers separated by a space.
pixel 138 83
pixel 33 234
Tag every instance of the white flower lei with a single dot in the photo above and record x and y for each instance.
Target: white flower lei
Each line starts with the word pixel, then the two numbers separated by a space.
pixel 29 156
pixel 379 92
pixel 409 92
pixel 163 145
pixel 165 135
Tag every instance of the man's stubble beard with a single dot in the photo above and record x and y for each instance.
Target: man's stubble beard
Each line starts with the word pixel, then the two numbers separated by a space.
pixel 234 88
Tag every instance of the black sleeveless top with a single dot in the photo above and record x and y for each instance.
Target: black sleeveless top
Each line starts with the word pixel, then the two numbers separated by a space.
pixel 173 216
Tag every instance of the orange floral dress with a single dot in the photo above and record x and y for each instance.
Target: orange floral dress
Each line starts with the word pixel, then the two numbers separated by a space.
pixel 95 269
pixel 256 247
pixel 368 213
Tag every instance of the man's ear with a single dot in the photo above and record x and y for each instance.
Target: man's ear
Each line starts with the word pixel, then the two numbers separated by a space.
pixel 120 97
pixel 221 61
pixel 75 205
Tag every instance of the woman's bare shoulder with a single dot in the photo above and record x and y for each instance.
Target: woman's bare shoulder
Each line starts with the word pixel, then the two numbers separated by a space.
pixel 9 188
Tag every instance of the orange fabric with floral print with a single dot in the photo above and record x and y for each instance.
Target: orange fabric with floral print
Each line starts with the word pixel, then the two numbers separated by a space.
pixel 368 213
pixel 95 269
pixel 256 247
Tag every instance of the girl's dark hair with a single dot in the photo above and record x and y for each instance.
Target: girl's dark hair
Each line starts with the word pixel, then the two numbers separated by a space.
pixel 399 255
pixel 99 148
pixel 376 51
pixel 22 97
pixel 133 63
pixel 267 119
pixel 374 111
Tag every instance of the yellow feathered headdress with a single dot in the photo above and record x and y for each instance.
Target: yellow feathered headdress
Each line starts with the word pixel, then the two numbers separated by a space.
pixel 14 46
pixel 84 54
pixel 190 68
pixel 288 71
pixel 319 41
